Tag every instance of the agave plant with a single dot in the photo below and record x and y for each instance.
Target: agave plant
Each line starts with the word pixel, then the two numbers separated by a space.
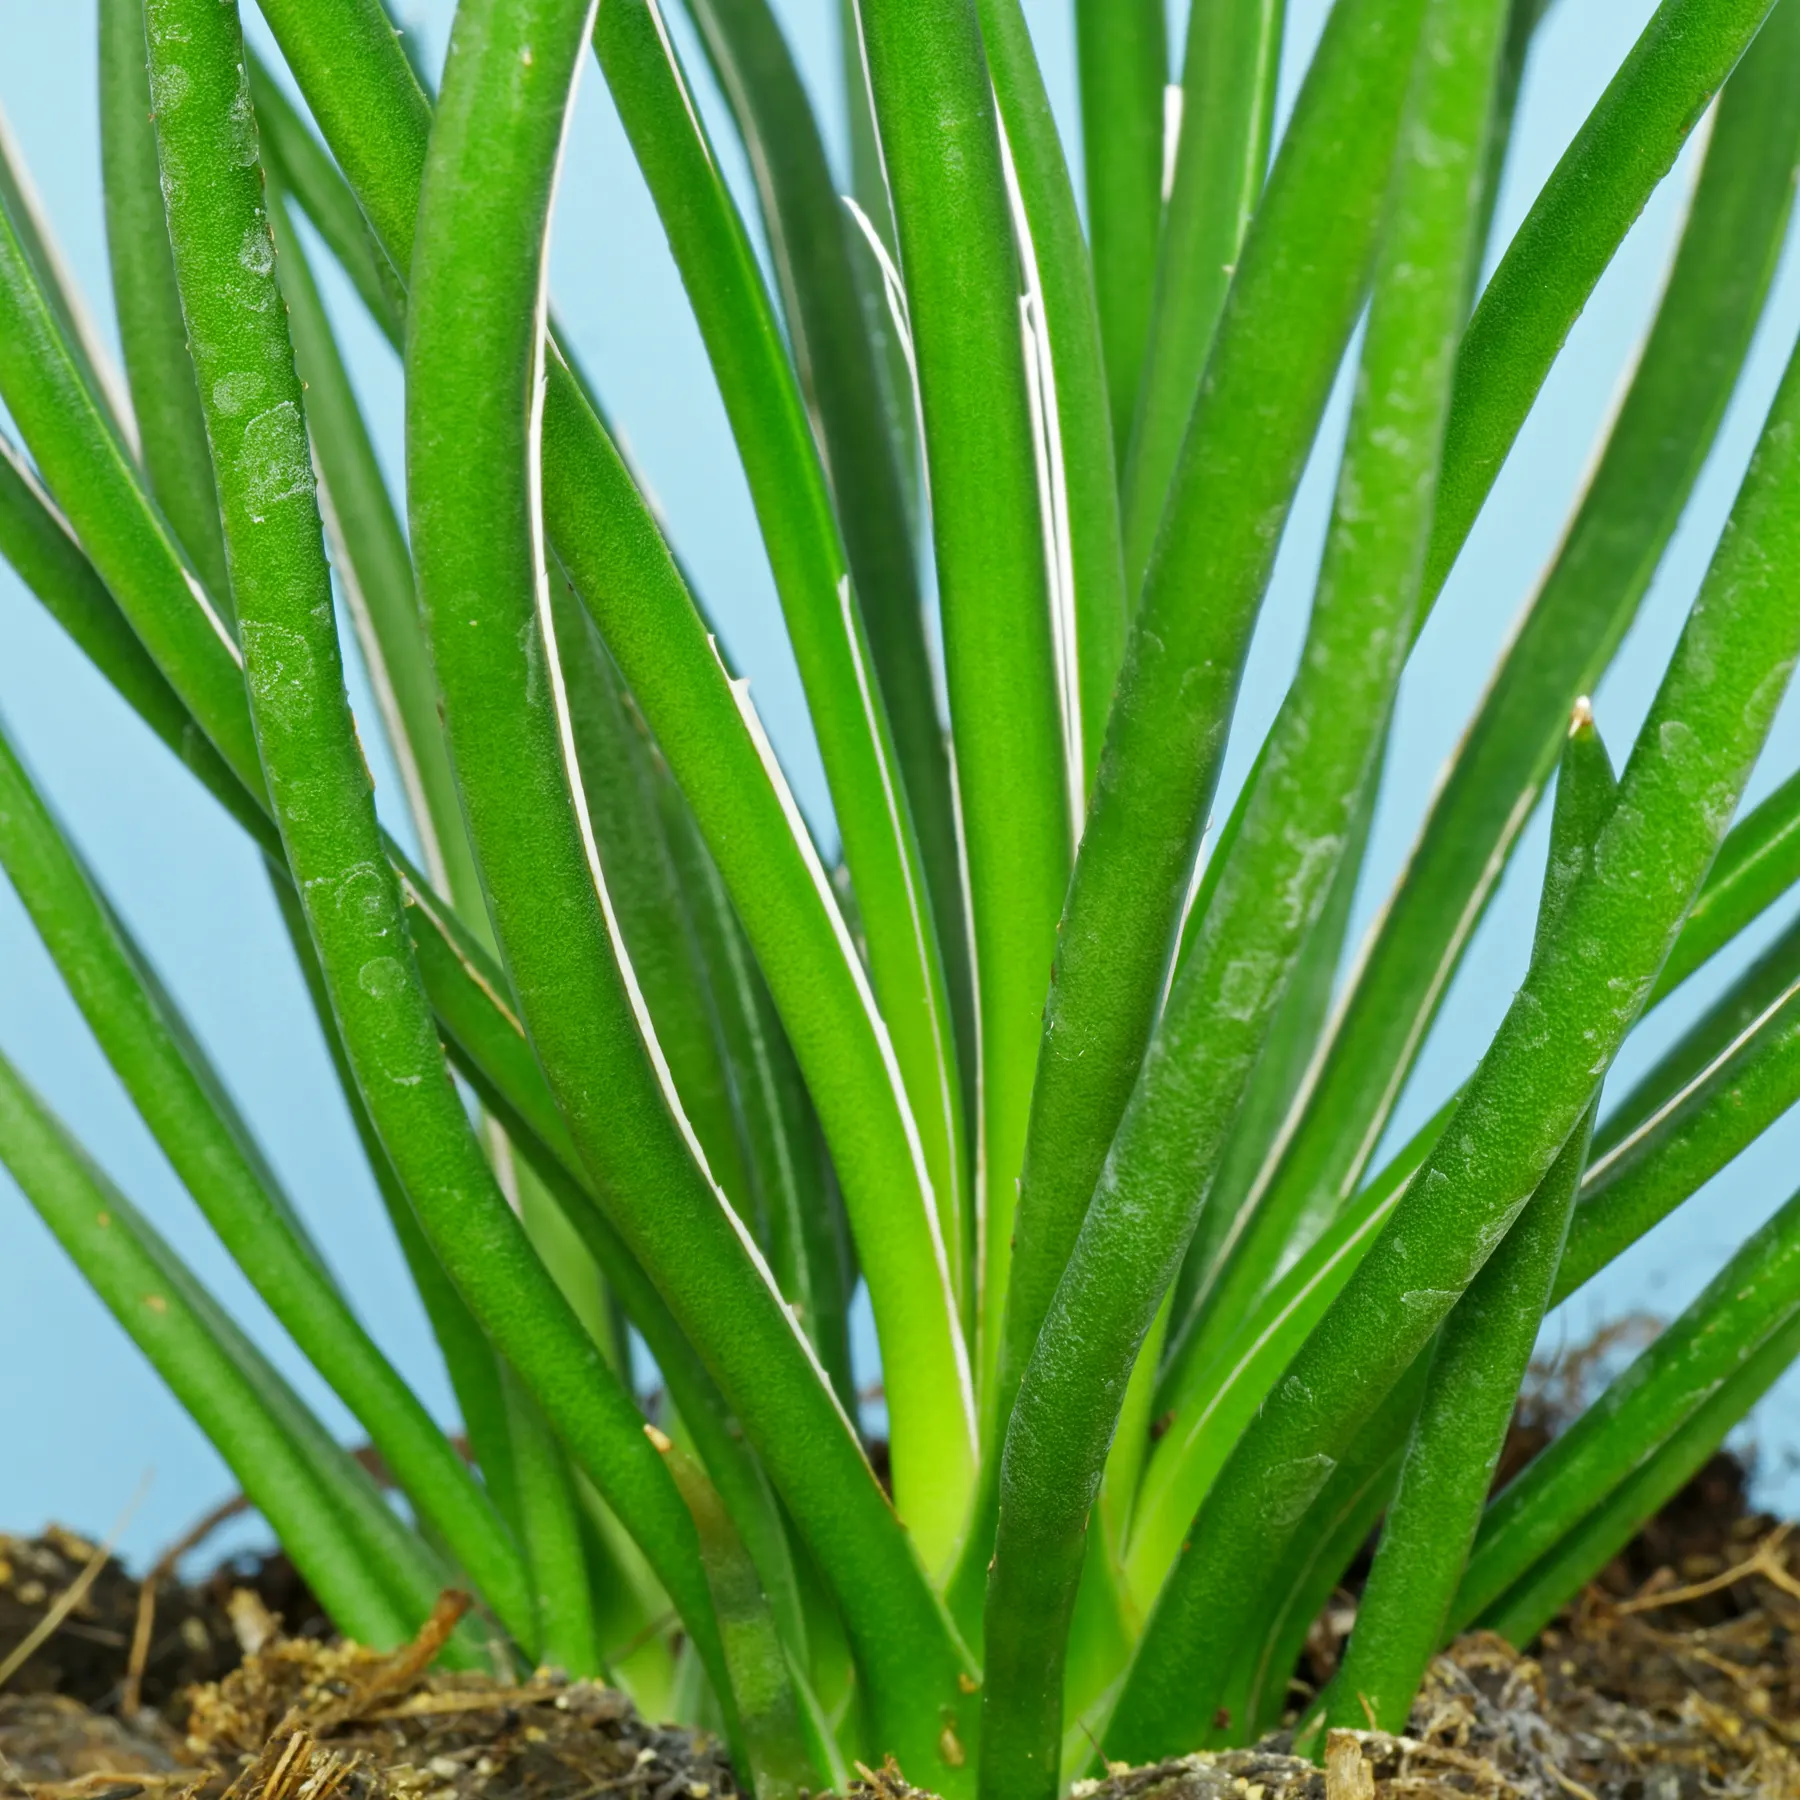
pixel 1083 1094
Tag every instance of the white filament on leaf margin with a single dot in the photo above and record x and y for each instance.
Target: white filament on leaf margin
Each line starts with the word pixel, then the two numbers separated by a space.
pixel 203 600
pixel 894 291
pixel 973 951
pixel 1689 1088
pixel 681 86
pixel 1174 96
pixel 790 808
pixel 914 907
pixel 15 175
pixel 559 699
pixel 1053 486
pixel 437 909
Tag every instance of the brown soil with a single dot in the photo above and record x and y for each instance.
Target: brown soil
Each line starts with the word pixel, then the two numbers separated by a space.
pixel 1675 1676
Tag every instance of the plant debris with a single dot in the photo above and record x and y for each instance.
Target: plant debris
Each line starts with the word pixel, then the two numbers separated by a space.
pixel 301 1719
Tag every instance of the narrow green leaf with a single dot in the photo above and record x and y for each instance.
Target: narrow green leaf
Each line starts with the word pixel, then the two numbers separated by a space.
pixel 877 248
pixel 40 544
pixel 840 332
pixel 1729 1079
pixel 251 396
pixel 793 501
pixel 1066 370
pixel 475 345
pixel 796 1213
pixel 1312 1569
pixel 1209 1411
pixel 1627 144
pixel 122 1261
pixel 1665 428
pixel 1586 987
pixel 550 1517
pixel 1303 1013
pixel 87 468
pixel 654 916
pixel 491 1050
pixel 1323 753
pixel 1227 100
pixel 940 143
pixel 1525 1609
pixel 713 1427
pixel 317 183
pixel 1122 62
pixel 151 331
pixel 376 119
pixel 411 1571
pixel 1301 285
pixel 374 568
pixel 20 203
pixel 469 1359
pixel 1521 29
pixel 1477 1364
pixel 1306 1007
pixel 158 1062
pixel 1747 1303
pixel 774 1736
pixel 1724 1083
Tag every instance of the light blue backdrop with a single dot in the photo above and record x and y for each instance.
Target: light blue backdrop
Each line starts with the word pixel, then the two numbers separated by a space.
pixel 82 1420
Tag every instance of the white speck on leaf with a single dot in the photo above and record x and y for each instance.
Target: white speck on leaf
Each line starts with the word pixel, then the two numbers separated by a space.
pixel 381 976
pixel 257 252
pixel 169 86
pixel 1289 1488
pixel 275 463
pixel 280 668
pixel 232 393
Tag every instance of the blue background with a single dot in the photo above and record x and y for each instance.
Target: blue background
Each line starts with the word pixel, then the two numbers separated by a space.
pixel 82 1419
